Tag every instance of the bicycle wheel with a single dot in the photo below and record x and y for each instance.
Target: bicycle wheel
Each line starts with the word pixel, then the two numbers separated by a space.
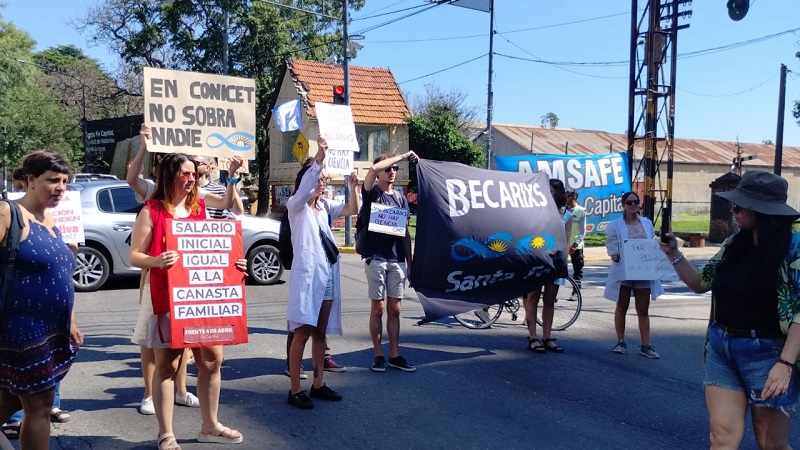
pixel 481 318
pixel 567 307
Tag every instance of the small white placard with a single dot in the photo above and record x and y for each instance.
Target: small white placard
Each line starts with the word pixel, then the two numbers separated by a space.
pixel 387 219
pixel 67 214
pixel 336 126
pixel 338 162
pixel 642 259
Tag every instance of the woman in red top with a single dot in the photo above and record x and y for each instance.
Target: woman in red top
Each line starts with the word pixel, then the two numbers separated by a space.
pixel 176 197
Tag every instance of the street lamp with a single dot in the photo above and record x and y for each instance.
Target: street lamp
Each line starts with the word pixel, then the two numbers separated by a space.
pixel 83 104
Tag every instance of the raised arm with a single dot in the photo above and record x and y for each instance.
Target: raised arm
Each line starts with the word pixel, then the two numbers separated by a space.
pixel 354 202
pixel 372 173
pixel 135 167
pixel 231 199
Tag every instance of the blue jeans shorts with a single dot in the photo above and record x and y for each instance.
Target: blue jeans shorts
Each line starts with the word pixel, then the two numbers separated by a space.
pixel 329 287
pixel 743 364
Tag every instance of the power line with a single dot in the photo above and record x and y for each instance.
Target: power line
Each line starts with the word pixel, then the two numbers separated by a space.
pixel 390 12
pixel 389 22
pixel 445 69
pixel 732 94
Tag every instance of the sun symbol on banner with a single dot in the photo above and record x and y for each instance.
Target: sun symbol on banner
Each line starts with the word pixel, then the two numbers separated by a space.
pixel 538 242
pixel 498 246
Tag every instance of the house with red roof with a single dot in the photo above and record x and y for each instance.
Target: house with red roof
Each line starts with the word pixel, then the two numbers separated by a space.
pixel 379 112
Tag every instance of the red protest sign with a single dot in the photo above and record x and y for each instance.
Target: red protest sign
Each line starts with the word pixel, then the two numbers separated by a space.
pixel 207 299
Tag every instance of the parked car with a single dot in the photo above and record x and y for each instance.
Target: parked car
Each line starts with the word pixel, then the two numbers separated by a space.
pixel 109 209
pixel 84 177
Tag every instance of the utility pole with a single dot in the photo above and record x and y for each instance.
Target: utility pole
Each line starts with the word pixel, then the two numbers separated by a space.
pixel 490 95
pixel 779 134
pixel 226 23
pixel 346 72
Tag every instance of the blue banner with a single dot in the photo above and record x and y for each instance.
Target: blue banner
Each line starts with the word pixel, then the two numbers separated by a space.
pixel 600 180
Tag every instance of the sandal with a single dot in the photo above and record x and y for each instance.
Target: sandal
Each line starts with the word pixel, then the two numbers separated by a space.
pixel 167 441
pixel 535 346
pixel 220 434
pixel 11 430
pixel 59 416
pixel 554 347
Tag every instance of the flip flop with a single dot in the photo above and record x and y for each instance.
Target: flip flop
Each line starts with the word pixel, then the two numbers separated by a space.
pixel 59 416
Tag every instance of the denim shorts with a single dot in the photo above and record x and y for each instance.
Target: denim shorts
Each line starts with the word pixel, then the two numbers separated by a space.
pixel 329 288
pixel 743 364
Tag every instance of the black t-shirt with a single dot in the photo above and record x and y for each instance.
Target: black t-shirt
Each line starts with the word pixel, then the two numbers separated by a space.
pixel 745 299
pixel 380 246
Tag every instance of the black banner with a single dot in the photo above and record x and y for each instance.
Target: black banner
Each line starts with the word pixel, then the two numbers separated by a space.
pixel 101 140
pixel 483 237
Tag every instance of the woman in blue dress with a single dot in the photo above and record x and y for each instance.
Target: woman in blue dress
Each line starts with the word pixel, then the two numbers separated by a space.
pixel 40 338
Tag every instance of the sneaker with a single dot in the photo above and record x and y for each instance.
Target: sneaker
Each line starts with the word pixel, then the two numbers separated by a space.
pixel 303 375
pixel 483 315
pixel 648 351
pixel 398 362
pixel 147 408
pixel 300 400
pixel 620 348
pixel 190 400
pixel 379 365
pixel 331 366
pixel 325 393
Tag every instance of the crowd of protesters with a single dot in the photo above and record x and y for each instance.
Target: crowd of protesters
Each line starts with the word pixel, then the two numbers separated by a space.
pixel 753 279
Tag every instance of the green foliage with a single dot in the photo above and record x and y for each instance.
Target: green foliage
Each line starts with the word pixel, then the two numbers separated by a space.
pixel 549 120
pixel 31 116
pixel 435 135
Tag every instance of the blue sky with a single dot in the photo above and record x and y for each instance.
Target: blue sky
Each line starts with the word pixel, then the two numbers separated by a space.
pixel 720 96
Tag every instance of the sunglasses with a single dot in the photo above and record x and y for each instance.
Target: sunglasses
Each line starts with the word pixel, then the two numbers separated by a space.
pixel 391 169
pixel 632 202
pixel 185 176
pixel 736 208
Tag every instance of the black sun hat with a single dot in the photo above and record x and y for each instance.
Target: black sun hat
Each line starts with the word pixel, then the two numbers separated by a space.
pixel 762 192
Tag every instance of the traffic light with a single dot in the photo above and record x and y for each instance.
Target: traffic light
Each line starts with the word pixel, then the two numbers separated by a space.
pixel 737 9
pixel 338 95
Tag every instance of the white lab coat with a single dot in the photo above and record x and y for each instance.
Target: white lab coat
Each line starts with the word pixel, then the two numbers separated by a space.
pixel 617 233
pixel 310 267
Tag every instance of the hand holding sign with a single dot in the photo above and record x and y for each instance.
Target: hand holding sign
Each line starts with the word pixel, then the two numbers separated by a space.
pixel 353 181
pixel 411 156
pixel 322 147
pixel 167 259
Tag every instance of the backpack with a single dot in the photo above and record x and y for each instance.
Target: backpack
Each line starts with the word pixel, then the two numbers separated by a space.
pixel 285 251
pixel 8 257
pixel 361 230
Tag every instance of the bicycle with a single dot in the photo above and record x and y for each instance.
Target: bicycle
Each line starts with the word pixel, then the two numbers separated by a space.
pixel 567 310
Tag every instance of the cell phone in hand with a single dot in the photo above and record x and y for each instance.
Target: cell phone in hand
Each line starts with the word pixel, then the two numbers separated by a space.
pixel 665 224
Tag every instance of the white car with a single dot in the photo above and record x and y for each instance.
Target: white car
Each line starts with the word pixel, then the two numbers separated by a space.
pixel 109 209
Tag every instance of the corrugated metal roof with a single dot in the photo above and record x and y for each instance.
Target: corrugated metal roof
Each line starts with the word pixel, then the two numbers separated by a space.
pixel 375 97
pixel 687 151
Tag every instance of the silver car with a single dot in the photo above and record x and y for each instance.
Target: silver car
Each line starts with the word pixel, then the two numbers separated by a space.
pixel 109 210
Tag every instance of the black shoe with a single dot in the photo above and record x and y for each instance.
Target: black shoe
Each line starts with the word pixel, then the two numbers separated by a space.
pixel 379 365
pixel 398 362
pixel 301 400
pixel 325 393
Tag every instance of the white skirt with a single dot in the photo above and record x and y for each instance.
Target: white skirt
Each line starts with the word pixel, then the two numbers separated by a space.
pixel 151 331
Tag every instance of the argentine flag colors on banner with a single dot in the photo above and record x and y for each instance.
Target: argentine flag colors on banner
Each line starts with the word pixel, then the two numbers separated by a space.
pixel 600 180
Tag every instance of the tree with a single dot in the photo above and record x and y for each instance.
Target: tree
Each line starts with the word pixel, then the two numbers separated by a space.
pixel 549 120
pixel 768 142
pixel 436 136
pixel 189 35
pixel 31 117
pixel 434 101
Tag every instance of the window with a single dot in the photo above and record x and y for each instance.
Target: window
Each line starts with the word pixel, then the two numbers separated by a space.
pixel 372 141
pixel 288 145
pixel 118 200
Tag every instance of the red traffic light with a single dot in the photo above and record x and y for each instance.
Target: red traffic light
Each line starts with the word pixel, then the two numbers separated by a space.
pixel 338 90
pixel 338 95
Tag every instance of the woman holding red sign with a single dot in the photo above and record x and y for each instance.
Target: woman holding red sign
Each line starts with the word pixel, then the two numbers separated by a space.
pixel 176 196
pixel 314 291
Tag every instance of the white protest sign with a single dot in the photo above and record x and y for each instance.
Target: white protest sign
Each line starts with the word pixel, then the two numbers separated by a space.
pixel 642 259
pixel 199 113
pixel 67 216
pixel 387 219
pixel 339 162
pixel 336 126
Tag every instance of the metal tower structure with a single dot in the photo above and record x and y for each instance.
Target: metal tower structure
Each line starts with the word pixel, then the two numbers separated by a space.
pixel 651 101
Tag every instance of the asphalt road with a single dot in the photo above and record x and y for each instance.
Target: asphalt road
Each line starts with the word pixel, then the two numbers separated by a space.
pixel 474 389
